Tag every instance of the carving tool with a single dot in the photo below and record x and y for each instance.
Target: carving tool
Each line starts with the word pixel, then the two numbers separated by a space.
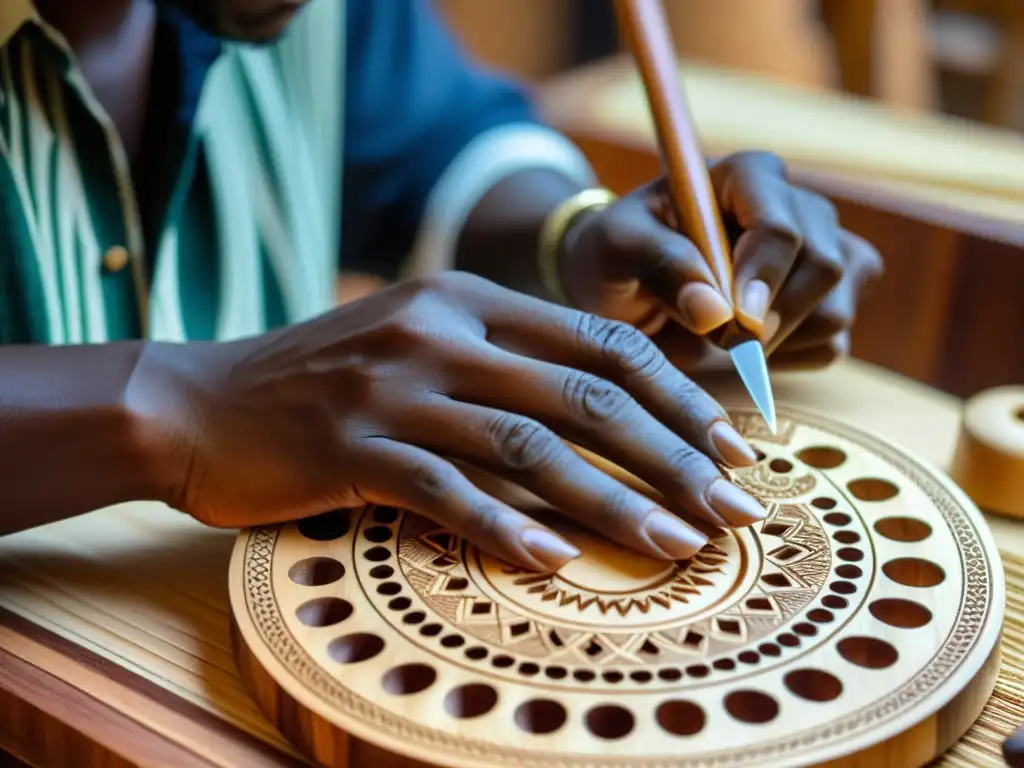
pixel 643 25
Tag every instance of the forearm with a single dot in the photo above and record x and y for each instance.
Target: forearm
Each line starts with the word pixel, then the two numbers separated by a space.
pixel 68 442
pixel 500 238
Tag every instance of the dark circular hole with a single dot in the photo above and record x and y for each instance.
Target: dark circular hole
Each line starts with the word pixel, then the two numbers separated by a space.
pixel 750 706
pixel 749 657
pixel 670 675
pixel 805 629
pixel 698 671
pixel 399 603
pixel 377 554
pixel 415 617
pixel 382 571
pixel 324 611
pixel 914 572
pixel 847 537
pixel 385 515
pixel 612 676
pixel 389 588
pixel 431 630
pixel 870 652
pixel 316 571
pixel 476 653
pixel 788 640
pixel 849 571
pixel 903 529
pixel 377 534
pixel 680 717
pixel 813 684
pixel 326 527
pixel 471 700
pixel 540 716
pixel 1019 413
pixel 609 721
pixel 837 518
pixel 453 641
pixel 641 676
pixel 835 602
pixel 556 673
pixel 769 649
pixel 584 675
pixel 528 668
pixel 850 554
pixel 781 466
pixel 820 616
pixel 823 502
pixel 872 489
pixel 822 457
pixel 726 665
pixel 502 661
pixel 843 587
pixel 359 646
pixel 896 612
pixel 408 678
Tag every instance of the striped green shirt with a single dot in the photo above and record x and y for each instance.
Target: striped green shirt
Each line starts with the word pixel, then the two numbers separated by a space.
pixel 250 234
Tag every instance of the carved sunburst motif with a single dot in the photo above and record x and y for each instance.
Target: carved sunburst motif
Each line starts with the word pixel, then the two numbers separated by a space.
pixel 679 581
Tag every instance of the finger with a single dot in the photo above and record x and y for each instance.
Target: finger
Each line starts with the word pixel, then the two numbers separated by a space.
pixel 401 475
pixel 622 355
pixel 602 416
pixel 838 311
pixel 753 190
pixel 666 264
pixel 818 269
pixel 524 451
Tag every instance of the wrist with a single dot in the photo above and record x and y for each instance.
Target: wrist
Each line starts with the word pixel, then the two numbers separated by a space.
pixel 161 400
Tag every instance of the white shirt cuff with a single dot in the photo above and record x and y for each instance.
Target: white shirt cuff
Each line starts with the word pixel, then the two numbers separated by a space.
pixel 489 158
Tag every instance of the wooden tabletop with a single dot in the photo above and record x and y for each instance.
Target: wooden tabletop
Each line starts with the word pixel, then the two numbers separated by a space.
pixel 114 626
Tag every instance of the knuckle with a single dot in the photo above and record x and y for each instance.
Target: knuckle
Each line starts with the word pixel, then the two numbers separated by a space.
pixel 692 399
pixel 595 399
pixel 522 445
pixel 621 345
pixel 688 463
pixel 826 263
pixel 433 482
pixel 616 506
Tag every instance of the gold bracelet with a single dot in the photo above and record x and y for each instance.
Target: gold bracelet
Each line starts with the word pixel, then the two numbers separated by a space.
pixel 553 232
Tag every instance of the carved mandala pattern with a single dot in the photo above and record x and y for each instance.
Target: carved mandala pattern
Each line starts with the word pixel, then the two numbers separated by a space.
pixel 792 567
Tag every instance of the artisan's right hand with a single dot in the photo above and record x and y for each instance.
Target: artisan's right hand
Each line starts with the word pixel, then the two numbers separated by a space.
pixel 374 402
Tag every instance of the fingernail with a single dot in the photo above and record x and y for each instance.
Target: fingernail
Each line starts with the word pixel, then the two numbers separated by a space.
pixel 552 551
pixel 772 322
pixel 703 308
pixel 672 536
pixel 755 300
pixel 734 450
pixel 737 506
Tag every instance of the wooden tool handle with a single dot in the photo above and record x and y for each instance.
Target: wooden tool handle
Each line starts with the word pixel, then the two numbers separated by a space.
pixel 643 25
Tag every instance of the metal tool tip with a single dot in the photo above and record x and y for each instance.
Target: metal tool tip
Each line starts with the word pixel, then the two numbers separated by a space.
pixel 750 362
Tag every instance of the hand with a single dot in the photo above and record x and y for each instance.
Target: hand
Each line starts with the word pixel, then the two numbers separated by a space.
pixel 797 274
pixel 381 401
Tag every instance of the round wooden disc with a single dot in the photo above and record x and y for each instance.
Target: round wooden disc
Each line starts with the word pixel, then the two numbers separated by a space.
pixel 860 618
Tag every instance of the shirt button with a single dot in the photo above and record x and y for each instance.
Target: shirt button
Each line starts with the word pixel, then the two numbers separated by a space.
pixel 115 259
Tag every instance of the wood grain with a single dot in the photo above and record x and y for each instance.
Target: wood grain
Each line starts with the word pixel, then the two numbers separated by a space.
pixel 129 604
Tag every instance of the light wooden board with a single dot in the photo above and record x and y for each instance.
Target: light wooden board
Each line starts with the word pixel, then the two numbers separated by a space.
pixel 857 624
pixel 142 589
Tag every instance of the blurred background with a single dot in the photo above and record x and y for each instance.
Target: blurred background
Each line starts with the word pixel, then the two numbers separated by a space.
pixel 908 114
pixel 962 57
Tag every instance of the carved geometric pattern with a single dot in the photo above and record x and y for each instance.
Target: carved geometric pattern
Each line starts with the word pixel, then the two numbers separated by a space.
pixel 792 566
pixel 767 485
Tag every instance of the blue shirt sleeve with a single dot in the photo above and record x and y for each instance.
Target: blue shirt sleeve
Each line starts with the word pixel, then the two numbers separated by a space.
pixel 413 101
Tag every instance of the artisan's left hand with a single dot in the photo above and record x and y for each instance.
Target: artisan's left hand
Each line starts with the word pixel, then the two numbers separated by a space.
pixel 797 274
